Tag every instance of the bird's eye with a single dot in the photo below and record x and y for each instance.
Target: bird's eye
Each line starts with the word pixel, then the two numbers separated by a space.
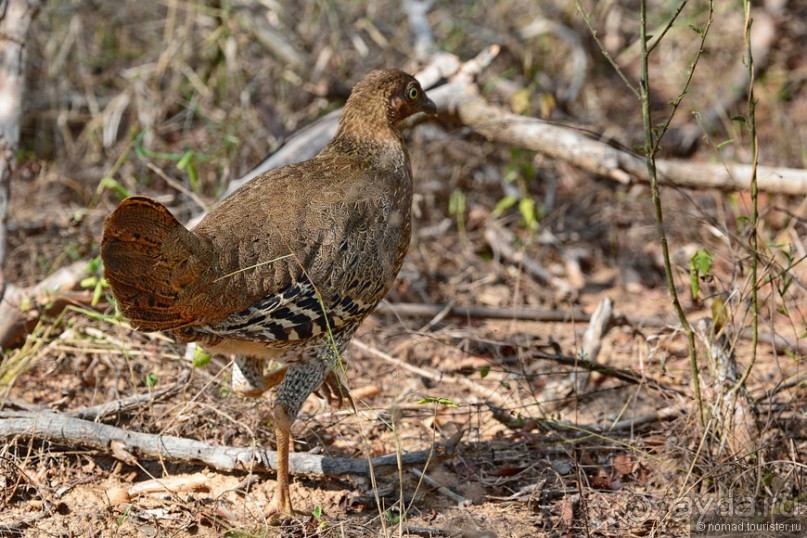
pixel 413 93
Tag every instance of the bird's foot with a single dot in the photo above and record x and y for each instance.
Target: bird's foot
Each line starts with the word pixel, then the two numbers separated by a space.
pixel 278 515
pixel 334 391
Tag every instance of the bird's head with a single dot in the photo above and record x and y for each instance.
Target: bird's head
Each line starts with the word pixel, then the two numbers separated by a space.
pixel 383 99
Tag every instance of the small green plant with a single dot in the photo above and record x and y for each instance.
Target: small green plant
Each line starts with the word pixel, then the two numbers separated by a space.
pixel 393 516
pixel 700 265
pixel 456 208
pixel 317 513
pixel 186 161
pixel 445 402
pixel 113 185
pixel 151 380
pixel 95 281
pixel 124 516
pixel 200 358
pixel 520 171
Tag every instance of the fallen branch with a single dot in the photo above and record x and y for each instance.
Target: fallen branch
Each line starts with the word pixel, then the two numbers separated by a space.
pixel 501 242
pixel 171 484
pixel 20 308
pixel 460 96
pixel 598 325
pixel 459 500
pixel 75 432
pixel 525 313
pixel 618 373
pixel 434 375
pixel 101 411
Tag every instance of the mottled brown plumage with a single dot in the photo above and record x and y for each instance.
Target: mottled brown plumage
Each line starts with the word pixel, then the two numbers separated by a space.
pixel 289 265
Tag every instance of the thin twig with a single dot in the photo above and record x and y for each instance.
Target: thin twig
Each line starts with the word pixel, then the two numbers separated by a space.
pixel 101 411
pixel 177 185
pixel 624 375
pixel 667 27
pixel 650 160
pixel 691 72
pixel 603 50
pixel 431 374
pixel 443 490
pixel 752 127
pixel 527 313
pixel 500 240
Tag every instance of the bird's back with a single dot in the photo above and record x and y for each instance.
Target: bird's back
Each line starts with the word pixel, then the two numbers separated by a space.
pixel 326 235
pixel 293 253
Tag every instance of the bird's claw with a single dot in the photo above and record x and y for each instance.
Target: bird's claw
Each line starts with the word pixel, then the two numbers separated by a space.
pixel 333 390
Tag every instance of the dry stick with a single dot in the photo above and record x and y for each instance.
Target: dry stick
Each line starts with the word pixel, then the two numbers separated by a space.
pixel 70 431
pixel 501 242
pixel 101 411
pixel 624 375
pixel 431 374
pixel 461 97
pixel 597 327
pixel 592 339
pixel 170 484
pixel 49 295
pixel 428 531
pixel 264 33
pixel 416 11
pixel 497 399
pixel 443 490
pixel 527 313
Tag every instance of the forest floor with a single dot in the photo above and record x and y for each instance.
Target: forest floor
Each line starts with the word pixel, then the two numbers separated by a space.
pixel 175 100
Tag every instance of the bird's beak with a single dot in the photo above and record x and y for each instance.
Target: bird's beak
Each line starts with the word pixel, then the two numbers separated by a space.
pixel 428 106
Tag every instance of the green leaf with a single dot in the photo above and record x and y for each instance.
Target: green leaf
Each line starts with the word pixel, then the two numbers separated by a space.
pixel 725 143
pixel 317 512
pixel 445 402
pixel 114 186
pixel 89 282
pixel 699 265
pixel 151 380
pixel 527 208
pixel 503 205
pixel 483 373
pixel 456 203
pixel 98 292
pixel 186 164
pixel 200 358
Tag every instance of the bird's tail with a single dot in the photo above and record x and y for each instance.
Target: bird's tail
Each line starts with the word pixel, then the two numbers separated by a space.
pixel 153 264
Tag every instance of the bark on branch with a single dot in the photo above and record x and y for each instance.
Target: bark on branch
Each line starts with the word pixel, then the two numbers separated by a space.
pixel 15 18
pixel 75 432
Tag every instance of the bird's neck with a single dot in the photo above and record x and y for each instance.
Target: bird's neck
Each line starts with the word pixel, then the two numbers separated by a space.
pixel 373 141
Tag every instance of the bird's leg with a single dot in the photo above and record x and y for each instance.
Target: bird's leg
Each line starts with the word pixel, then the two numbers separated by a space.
pixel 300 381
pixel 248 377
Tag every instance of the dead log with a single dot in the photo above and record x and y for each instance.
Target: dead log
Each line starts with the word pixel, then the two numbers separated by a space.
pixel 74 432
pixel 21 308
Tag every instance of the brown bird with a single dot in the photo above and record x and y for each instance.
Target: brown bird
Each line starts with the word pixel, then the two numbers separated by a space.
pixel 288 266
